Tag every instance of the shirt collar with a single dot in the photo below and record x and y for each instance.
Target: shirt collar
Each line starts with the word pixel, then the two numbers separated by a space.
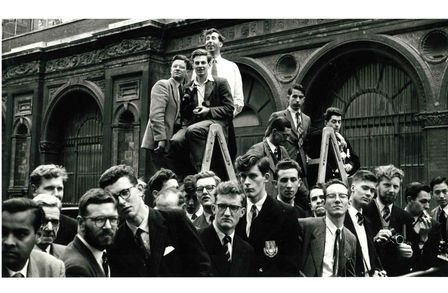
pixel 98 254
pixel 279 199
pixel 353 212
pixel 143 225
pixel 293 113
pixel 219 58
pixel 381 205
pixel 331 226
pixel 209 78
pixel 445 209
pixel 221 234
pixel 23 271
pixel 271 145
pixel 258 204
pixel 198 212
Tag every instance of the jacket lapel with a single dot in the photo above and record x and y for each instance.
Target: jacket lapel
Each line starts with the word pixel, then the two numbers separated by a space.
pixel 293 126
pixel 175 94
pixel 209 86
pixel 318 246
pixel 157 234
pixel 268 153
pixel 87 254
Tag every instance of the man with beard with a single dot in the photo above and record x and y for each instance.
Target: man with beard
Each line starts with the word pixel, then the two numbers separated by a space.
pixel 49 229
pixel 151 243
pixel 329 250
pixel 300 123
pixel 86 255
pixel 287 180
pixel 388 220
pixel 230 255
pixel 317 201
pixel 269 225
pixel 206 182
pixel 362 190
pixel 273 148
pixel 21 219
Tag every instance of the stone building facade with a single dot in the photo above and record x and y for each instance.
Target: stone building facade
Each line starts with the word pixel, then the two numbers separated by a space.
pixel 77 94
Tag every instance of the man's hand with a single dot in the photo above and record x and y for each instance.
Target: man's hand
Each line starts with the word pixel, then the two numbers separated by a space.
pixel 348 167
pixel 377 273
pixel 201 111
pixel 160 147
pixel 405 250
pixel 425 226
pixel 238 109
pixel 382 236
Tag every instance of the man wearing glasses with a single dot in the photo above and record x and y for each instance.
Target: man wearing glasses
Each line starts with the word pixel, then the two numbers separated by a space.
pixel 329 249
pixel 231 256
pixel 86 255
pixel 206 182
pixel 150 243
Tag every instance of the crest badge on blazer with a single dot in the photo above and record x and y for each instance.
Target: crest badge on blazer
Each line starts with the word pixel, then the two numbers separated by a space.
pixel 270 248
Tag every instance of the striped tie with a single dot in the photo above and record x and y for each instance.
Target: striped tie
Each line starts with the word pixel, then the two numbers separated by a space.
pixel 226 244
pixel 386 214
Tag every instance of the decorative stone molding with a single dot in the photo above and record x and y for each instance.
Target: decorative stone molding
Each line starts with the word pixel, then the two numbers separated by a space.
pixel 434 46
pixel 433 118
pixel 21 70
pixel 125 47
pixel 286 68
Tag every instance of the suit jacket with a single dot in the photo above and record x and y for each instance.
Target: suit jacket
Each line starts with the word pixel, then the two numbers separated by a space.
pixel 435 213
pixel 68 227
pixel 56 250
pixel 262 149
pixel 277 224
pixel 41 264
pixel 242 255
pixel 388 253
pixel 175 249
pixel 313 248
pixel 80 262
pixel 164 109
pixel 375 263
pixel 296 151
pixel 201 222
pixel 426 257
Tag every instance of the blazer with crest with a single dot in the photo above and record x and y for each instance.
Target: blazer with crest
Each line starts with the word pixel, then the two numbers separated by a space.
pixel 274 237
pixel 242 255
pixel 175 249
pixel 164 109
pixel 313 248
pixel 262 149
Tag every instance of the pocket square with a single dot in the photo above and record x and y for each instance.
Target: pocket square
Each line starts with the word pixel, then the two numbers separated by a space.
pixel 168 249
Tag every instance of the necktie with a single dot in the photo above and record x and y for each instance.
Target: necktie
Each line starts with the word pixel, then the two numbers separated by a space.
pixel 18 275
pixel 277 155
pixel 214 68
pixel 442 220
pixel 253 214
pixel 386 214
pixel 360 219
pixel 194 217
pixel 299 128
pixel 141 245
pixel 227 241
pixel 211 218
pixel 105 264
pixel 337 244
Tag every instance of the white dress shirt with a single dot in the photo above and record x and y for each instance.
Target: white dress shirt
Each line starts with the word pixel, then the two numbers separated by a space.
pixel 330 237
pixel 198 213
pixel 201 88
pixel 294 117
pixel 23 271
pixel 143 226
pixel 271 146
pixel 381 207
pixel 362 237
pixel 249 205
pixel 221 236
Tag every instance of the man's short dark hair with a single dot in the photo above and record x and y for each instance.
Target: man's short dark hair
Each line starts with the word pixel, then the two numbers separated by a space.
pixel 332 182
pixel 295 86
pixel 332 111
pixel 316 186
pixel 437 180
pixel 231 189
pixel 414 188
pixel 159 178
pixel 23 204
pixel 201 52
pixel 49 171
pixel 183 58
pixel 285 165
pixel 94 196
pixel 206 174
pixel 213 30
pixel 189 185
pixel 111 175
pixel 279 123
pixel 245 162
pixel 364 175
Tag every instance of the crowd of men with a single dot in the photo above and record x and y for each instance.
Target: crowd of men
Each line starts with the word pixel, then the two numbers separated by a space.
pixel 273 221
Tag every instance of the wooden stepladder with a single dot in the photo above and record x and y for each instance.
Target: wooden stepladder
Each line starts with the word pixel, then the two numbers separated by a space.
pixel 329 139
pixel 215 131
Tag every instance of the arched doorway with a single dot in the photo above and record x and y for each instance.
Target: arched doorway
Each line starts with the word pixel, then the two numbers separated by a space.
pixel 380 94
pixel 75 129
pixel 251 123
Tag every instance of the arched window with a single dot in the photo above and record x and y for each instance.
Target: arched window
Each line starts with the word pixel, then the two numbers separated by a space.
pixel 20 156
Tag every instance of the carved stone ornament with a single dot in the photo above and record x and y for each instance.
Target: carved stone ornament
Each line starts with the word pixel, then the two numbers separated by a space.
pixel 433 118
pixel 21 69
pixel 125 47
